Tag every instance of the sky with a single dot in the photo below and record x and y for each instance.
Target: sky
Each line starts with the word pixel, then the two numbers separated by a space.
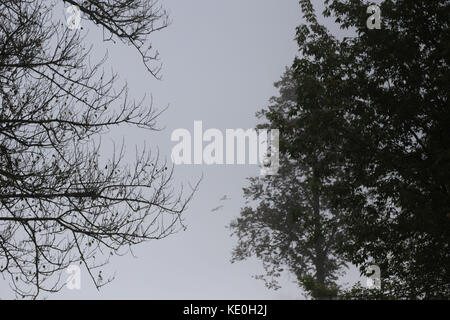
pixel 220 60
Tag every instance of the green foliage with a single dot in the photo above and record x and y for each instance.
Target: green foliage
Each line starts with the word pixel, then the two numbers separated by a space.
pixel 372 117
pixel 358 292
pixel 319 290
pixel 290 226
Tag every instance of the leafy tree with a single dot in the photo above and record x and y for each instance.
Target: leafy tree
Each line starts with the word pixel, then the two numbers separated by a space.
pixel 292 226
pixel 376 106
pixel 60 203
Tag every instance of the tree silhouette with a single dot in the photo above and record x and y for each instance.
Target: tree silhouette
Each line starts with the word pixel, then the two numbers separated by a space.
pixel 60 202
pixel 292 225
pixel 376 105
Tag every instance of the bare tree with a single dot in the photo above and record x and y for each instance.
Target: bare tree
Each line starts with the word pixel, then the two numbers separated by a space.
pixel 60 202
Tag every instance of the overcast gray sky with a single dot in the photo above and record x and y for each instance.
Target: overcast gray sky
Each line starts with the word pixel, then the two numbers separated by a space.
pixel 220 60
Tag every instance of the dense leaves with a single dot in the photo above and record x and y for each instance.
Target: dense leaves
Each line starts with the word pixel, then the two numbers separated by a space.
pixel 371 114
pixel 291 226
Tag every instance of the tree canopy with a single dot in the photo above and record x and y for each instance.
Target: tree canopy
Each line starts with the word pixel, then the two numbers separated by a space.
pixel 371 114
